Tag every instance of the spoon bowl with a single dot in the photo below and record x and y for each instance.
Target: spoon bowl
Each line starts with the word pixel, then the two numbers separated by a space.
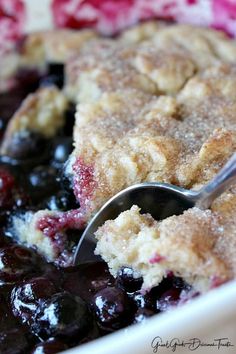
pixel 161 200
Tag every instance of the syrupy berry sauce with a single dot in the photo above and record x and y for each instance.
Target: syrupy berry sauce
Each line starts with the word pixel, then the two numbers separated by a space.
pixel 45 308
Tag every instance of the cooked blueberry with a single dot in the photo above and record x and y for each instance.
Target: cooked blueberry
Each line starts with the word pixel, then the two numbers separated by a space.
pixel 150 299
pixel 180 283
pixel 7 184
pixel 70 120
pixel 87 279
pixel 3 124
pixel 51 346
pixel 28 79
pixel 20 199
pixel 26 145
pixel 43 176
pixel 9 103
pixel 142 315
pixel 16 262
pixel 52 80
pixel 61 201
pixel 62 315
pixel 56 69
pixel 112 307
pixel 26 297
pixel 13 341
pixel 7 320
pixel 168 299
pixel 144 300
pixel 65 181
pixel 61 150
pixel 127 280
pixel 4 241
pixel 10 195
pixel 165 285
pixel 42 181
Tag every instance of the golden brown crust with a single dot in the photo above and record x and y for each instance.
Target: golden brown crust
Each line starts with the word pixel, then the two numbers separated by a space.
pixel 41 112
pixel 196 135
pixel 190 245
pixel 156 105
pixel 54 46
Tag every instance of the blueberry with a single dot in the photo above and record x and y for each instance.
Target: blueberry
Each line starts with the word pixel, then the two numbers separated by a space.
pixel 20 199
pixel 168 299
pixel 16 262
pixel 13 341
pixel 87 279
pixel 112 308
pixel 63 315
pixel 42 181
pixel 61 150
pixel 145 301
pixel 52 80
pixel 43 176
pixel 28 80
pixel 69 120
pixel 180 283
pixel 4 241
pixel 127 281
pixel 51 346
pixel 11 196
pixel 66 182
pixel 26 145
pixel 7 185
pixel 7 320
pixel 3 124
pixel 9 103
pixel 4 217
pixel 56 69
pixel 153 300
pixel 142 315
pixel 26 297
pixel 61 201
pixel 55 76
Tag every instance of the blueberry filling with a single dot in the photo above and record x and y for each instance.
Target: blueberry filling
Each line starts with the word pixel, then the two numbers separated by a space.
pixel 45 308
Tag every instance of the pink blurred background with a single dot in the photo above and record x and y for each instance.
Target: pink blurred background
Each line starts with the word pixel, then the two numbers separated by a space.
pixel 110 16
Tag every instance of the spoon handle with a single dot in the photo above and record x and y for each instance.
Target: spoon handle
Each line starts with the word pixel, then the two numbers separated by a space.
pixel 222 181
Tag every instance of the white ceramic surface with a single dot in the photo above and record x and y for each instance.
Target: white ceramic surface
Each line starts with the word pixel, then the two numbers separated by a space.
pixel 209 317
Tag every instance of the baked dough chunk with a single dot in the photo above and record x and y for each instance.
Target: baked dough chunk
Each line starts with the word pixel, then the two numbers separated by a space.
pixel 206 47
pixel 52 46
pixel 190 245
pixel 141 32
pixel 39 49
pixel 104 66
pixel 41 112
pixel 160 62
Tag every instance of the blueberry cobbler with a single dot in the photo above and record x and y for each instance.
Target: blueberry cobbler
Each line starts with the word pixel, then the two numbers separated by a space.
pixel 82 117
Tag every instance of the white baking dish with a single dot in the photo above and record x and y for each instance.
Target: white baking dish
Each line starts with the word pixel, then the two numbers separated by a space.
pixel 209 317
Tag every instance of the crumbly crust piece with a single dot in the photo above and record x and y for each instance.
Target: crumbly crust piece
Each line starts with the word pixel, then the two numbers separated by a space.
pixel 190 245
pixel 53 46
pixel 42 112
pixel 9 64
pixel 206 46
pixel 141 32
pixel 38 49
pixel 29 234
pixel 160 62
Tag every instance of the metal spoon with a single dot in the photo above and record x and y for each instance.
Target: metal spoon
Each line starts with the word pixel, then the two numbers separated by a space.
pixel 158 199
